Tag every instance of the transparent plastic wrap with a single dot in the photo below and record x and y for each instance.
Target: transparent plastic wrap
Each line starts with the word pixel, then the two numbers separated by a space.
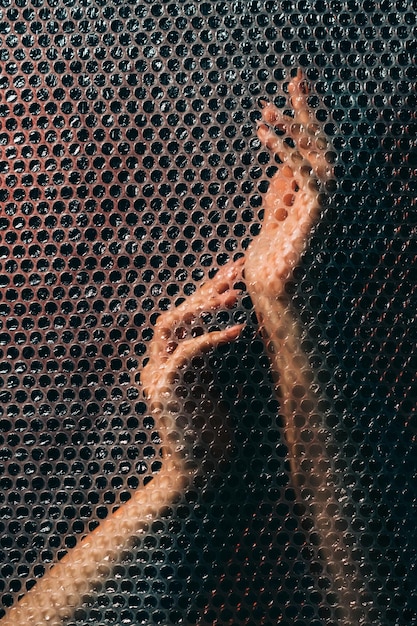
pixel 207 313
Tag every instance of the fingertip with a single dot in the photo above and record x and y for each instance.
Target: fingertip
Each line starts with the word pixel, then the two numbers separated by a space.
pixel 234 331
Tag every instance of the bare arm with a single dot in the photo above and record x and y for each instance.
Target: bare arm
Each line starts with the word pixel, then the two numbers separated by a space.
pixel 291 207
pixel 62 588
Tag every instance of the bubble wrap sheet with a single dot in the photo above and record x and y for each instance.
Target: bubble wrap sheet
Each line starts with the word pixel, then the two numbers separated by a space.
pixel 130 171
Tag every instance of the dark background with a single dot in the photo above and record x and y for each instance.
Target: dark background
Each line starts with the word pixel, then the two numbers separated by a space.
pixel 130 171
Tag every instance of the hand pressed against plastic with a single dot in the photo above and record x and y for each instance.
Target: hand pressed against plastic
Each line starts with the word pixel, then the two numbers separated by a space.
pixel 290 208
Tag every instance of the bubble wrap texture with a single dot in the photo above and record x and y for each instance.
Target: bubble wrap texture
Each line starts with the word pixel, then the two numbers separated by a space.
pixel 130 171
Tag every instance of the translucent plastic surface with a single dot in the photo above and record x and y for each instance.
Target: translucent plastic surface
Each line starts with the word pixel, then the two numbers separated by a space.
pixel 130 171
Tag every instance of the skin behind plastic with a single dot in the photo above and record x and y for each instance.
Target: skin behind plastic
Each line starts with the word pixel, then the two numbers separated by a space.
pixel 291 207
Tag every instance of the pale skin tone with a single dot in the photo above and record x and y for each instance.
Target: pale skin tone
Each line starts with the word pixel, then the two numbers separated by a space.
pixel 291 207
